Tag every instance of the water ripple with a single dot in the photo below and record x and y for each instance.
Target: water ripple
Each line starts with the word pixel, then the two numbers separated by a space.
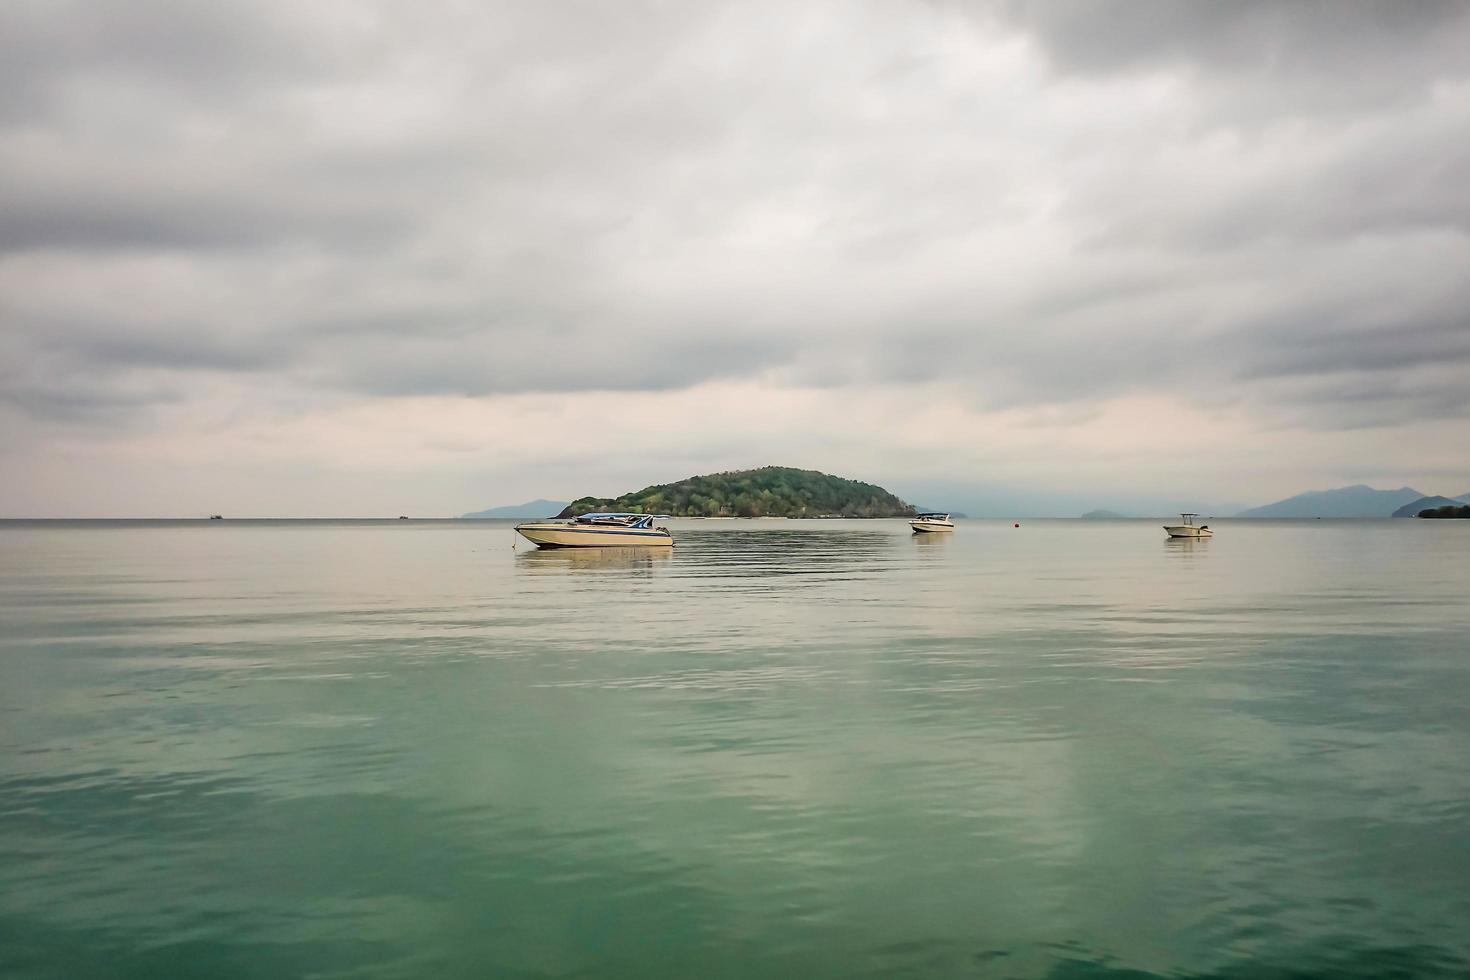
pixel 782 748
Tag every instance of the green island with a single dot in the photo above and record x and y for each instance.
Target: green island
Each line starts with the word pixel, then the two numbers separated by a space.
pixel 1449 511
pixel 771 491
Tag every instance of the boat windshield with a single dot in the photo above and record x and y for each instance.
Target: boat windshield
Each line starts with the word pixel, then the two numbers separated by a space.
pixel 620 520
pixel 933 517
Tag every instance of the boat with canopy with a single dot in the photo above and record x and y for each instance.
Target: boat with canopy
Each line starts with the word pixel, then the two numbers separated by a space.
pixel 599 530
pixel 1186 528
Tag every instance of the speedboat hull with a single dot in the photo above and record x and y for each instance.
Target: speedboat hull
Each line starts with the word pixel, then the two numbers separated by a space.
pixel 1188 531
pixel 931 527
pixel 549 535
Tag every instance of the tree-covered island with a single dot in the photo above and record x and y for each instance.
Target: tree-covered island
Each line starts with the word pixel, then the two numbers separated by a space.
pixel 1446 511
pixel 771 491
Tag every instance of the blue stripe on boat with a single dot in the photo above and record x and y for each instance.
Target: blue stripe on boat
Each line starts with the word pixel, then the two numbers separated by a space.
pixel 604 530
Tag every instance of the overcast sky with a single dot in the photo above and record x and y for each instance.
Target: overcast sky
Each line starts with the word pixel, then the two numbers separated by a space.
pixel 295 259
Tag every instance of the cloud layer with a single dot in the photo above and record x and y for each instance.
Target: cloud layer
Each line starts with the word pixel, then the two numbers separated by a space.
pixel 217 221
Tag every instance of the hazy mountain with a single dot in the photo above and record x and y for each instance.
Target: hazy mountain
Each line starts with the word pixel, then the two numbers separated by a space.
pixel 1354 501
pixel 1413 508
pixel 981 500
pixel 1102 515
pixel 954 514
pixel 531 509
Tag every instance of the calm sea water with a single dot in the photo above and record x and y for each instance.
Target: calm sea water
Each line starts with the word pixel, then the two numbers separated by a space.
pixel 814 749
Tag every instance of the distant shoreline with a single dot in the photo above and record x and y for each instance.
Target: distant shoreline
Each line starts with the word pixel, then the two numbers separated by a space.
pixel 213 522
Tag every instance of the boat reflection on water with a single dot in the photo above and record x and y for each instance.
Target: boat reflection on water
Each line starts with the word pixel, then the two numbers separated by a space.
pixel 1187 546
pixel 731 554
pixel 931 545
pixel 562 560
pixel 788 552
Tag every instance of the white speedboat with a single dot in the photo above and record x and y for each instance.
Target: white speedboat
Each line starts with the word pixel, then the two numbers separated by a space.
pixel 1188 529
pixel 930 523
pixel 599 531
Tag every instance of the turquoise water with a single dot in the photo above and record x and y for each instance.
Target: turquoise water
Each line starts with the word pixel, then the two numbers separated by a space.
pixel 817 749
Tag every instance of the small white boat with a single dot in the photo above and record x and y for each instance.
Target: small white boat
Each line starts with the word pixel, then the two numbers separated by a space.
pixel 599 531
pixel 931 523
pixel 1189 529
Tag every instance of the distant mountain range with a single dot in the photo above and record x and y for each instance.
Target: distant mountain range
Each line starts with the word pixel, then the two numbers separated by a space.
pixel 782 491
pixel 1354 501
pixel 529 510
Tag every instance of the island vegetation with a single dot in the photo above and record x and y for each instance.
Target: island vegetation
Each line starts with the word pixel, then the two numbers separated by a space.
pixel 1449 511
pixel 771 491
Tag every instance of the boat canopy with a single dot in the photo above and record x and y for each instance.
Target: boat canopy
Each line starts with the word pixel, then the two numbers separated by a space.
pixel 621 519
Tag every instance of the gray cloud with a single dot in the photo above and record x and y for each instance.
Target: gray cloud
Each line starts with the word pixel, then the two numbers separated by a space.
pixel 173 218
pixel 1390 173
pixel 1403 342
pixel 56 54
pixel 1286 56
pixel 1188 199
